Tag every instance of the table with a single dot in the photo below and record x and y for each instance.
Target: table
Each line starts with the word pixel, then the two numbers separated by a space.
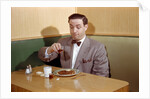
pixel 82 82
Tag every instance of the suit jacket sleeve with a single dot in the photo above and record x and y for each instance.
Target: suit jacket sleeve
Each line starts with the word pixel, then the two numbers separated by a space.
pixel 101 62
pixel 41 55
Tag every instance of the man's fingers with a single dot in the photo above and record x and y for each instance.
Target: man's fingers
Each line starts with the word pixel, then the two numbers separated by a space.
pixel 55 49
pixel 56 46
pixel 59 45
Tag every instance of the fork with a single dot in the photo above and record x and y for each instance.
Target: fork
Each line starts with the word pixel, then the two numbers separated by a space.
pixel 78 76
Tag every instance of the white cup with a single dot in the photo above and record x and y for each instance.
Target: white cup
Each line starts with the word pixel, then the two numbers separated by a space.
pixel 47 71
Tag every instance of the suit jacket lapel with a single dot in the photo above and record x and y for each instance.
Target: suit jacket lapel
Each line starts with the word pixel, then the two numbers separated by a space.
pixel 68 53
pixel 82 52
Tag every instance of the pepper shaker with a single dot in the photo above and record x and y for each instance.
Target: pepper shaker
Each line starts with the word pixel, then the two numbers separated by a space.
pixel 30 68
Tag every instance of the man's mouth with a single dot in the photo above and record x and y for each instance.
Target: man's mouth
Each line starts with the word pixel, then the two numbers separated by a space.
pixel 75 34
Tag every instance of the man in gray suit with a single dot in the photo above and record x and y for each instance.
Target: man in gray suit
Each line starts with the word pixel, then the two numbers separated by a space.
pixel 79 52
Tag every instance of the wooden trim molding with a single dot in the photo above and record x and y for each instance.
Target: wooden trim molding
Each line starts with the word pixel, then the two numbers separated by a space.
pixel 27 38
pixel 114 34
pixel 94 34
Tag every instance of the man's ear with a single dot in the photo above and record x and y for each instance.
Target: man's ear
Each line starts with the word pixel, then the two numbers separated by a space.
pixel 86 26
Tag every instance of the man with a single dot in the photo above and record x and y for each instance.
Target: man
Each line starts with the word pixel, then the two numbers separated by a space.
pixel 79 52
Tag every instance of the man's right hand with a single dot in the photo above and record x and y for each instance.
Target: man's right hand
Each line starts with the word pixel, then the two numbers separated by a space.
pixel 54 48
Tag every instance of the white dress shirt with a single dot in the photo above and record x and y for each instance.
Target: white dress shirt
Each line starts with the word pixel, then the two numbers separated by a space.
pixel 76 49
pixel 46 54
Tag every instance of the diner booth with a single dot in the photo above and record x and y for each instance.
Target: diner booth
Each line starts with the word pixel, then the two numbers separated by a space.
pixel 116 27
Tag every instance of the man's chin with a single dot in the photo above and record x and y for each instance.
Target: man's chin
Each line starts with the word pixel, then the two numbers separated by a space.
pixel 75 38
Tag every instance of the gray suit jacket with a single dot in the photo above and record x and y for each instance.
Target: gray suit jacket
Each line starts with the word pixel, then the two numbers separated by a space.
pixel 92 57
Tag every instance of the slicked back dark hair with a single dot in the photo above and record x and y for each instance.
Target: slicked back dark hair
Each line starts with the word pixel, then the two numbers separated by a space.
pixel 78 16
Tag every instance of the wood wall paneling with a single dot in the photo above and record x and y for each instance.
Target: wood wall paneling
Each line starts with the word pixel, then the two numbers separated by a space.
pixel 118 21
pixel 38 22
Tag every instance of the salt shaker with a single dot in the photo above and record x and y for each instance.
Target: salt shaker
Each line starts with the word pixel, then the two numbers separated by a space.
pixel 27 70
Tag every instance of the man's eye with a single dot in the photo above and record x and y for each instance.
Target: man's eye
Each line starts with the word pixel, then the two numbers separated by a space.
pixel 71 27
pixel 78 27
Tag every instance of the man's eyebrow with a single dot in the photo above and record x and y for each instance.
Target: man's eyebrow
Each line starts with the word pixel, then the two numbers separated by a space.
pixel 78 25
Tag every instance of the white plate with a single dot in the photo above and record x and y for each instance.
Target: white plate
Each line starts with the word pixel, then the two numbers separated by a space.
pixel 76 72
pixel 39 72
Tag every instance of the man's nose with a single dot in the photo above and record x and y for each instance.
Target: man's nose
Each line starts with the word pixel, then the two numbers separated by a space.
pixel 75 30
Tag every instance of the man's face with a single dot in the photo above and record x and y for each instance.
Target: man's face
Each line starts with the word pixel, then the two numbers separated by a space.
pixel 77 29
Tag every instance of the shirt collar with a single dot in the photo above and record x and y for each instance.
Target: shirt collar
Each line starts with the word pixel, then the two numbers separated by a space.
pixel 82 40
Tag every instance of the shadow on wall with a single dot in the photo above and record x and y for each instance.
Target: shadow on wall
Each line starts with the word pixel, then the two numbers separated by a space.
pixel 91 29
pixel 47 41
pixel 47 32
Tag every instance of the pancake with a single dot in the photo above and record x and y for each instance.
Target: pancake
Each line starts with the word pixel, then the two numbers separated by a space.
pixel 66 72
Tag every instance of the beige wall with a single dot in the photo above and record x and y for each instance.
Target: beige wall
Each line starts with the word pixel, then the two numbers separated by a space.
pixel 119 21
pixel 38 22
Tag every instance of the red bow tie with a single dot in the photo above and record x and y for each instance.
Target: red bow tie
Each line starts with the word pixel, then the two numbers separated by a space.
pixel 74 41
